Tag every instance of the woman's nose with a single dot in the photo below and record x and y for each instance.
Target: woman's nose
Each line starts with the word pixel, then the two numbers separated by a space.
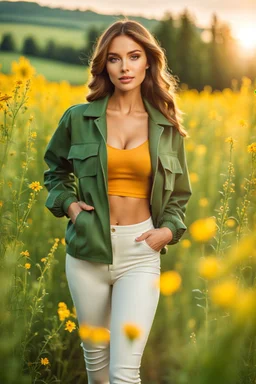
pixel 124 65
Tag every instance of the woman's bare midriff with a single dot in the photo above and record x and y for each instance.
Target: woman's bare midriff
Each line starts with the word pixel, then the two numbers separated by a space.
pixel 127 132
pixel 126 210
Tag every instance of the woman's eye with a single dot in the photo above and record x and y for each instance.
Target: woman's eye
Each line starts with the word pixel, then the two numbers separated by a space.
pixel 115 58
pixel 111 58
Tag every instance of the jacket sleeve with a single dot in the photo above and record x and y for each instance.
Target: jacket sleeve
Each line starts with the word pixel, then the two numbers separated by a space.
pixel 174 213
pixel 59 178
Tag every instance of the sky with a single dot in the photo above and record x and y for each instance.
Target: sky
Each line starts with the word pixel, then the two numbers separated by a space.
pixel 239 14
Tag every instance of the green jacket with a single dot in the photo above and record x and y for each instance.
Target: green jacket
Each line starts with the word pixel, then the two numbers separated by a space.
pixel 77 160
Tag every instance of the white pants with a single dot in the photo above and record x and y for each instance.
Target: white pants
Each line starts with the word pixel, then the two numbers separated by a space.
pixel 111 295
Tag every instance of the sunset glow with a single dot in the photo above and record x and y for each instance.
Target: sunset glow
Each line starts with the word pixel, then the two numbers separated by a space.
pixel 247 37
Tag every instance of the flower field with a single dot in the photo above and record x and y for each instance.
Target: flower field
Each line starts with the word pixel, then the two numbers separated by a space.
pixel 205 326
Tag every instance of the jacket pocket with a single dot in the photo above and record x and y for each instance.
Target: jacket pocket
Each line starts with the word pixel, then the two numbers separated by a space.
pixel 85 159
pixel 81 227
pixel 88 239
pixel 171 166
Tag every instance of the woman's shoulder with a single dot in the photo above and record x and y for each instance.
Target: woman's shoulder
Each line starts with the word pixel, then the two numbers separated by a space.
pixel 77 108
pixel 72 112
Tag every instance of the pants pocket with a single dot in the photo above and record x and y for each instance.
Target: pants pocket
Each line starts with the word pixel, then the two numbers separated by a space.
pixel 148 246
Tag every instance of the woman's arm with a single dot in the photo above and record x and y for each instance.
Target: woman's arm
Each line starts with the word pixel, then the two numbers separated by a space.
pixel 174 213
pixel 59 178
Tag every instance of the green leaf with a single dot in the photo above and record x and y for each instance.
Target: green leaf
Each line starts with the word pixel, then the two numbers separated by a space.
pixel 196 290
pixel 201 306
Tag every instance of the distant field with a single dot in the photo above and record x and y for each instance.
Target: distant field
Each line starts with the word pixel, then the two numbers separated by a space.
pixel 63 36
pixel 52 70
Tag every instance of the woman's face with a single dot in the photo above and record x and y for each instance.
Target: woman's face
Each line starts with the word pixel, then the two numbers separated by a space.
pixel 126 58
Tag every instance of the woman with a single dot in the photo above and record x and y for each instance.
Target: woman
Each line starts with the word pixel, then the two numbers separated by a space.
pixel 126 149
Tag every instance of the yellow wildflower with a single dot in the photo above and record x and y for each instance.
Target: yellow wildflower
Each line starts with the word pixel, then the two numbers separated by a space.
pixel 84 331
pixel 62 305
pixel 243 123
pixel 203 230
pixel 203 202
pixel 169 282
pixel 44 259
pixel 27 265
pixel 44 361
pixel 132 331
pixel 209 267
pixel 190 146
pixel 23 68
pixel 99 335
pixel 244 307
pixel 5 97
pixel 73 314
pixel 201 149
pixel 225 293
pixel 63 241
pixel 70 326
pixel 185 243
pixel 229 140
pixel 1 204
pixel 33 135
pixel 251 148
pixel 25 253
pixel 193 177
pixel 230 223
pixel 63 313
pixel 35 185
pixel 246 81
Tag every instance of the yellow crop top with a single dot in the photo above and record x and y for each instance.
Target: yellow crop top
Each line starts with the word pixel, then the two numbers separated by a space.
pixel 129 171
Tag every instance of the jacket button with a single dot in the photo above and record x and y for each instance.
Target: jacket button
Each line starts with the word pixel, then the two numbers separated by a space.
pixel 113 229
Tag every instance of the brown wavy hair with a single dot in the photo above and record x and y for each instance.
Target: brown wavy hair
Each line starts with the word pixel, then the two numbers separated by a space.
pixel 158 87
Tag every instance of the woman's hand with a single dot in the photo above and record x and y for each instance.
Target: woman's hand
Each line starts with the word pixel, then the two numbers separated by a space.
pixel 75 208
pixel 157 238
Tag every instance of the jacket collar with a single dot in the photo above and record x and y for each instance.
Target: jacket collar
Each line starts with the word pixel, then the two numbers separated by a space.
pixel 98 108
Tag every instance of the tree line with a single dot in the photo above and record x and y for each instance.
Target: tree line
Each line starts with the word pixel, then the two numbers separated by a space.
pixel 194 58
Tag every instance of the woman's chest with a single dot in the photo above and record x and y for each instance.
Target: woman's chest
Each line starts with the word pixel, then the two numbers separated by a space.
pixel 126 132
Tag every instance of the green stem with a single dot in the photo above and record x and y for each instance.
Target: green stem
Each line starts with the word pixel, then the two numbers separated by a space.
pixel 227 195
pixel 206 313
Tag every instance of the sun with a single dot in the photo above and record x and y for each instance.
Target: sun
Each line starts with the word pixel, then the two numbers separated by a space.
pixel 247 37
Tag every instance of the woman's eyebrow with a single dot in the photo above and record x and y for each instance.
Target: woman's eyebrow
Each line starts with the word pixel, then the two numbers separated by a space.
pixel 135 50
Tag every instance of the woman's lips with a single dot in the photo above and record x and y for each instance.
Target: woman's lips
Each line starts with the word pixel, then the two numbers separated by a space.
pixel 126 80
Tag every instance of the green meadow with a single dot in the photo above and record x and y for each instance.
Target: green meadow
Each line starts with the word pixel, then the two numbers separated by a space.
pixel 52 70
pixel 62 36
